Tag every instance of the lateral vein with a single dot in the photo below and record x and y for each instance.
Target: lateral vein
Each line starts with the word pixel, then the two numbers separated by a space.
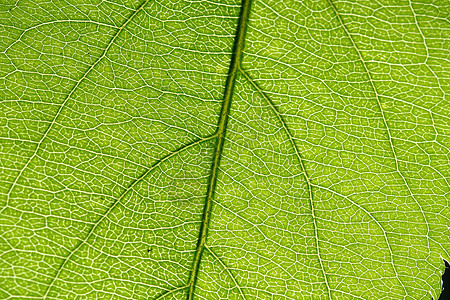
pixel 227 269
pixel 116 202
pixel 303 169
pixel 68 97
pixel 388 131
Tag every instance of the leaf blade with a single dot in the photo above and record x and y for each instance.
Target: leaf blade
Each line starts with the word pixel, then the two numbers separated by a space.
pixel 333 181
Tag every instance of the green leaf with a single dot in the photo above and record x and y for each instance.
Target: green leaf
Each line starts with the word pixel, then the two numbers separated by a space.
pixel 224 150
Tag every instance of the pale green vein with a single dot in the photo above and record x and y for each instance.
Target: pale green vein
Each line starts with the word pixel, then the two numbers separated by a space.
pixel 100 153
pixel 226 269
pixel 427 51
pixel 69 95
pixel 437 81
pixel 221 130
pixel 377 97
pixel 370 216
pixel 348 294
pixel 265 236
pixel 373 218
pixel 52 23
pixel 163 295
pixel 302 166
pixel 124 193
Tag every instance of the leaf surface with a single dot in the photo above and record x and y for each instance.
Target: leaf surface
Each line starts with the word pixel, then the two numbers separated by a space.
pixel 224 150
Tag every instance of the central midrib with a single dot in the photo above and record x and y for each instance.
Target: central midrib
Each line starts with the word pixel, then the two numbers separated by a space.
pixel 221 130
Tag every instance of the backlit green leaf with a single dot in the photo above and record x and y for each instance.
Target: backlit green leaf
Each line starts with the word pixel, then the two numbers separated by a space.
pixel 196 149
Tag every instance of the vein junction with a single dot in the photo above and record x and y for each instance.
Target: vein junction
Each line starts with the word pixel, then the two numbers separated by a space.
pixel 221 130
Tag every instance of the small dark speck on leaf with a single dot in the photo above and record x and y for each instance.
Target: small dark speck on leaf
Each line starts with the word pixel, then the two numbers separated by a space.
pixel 149 249
pixel 445 294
